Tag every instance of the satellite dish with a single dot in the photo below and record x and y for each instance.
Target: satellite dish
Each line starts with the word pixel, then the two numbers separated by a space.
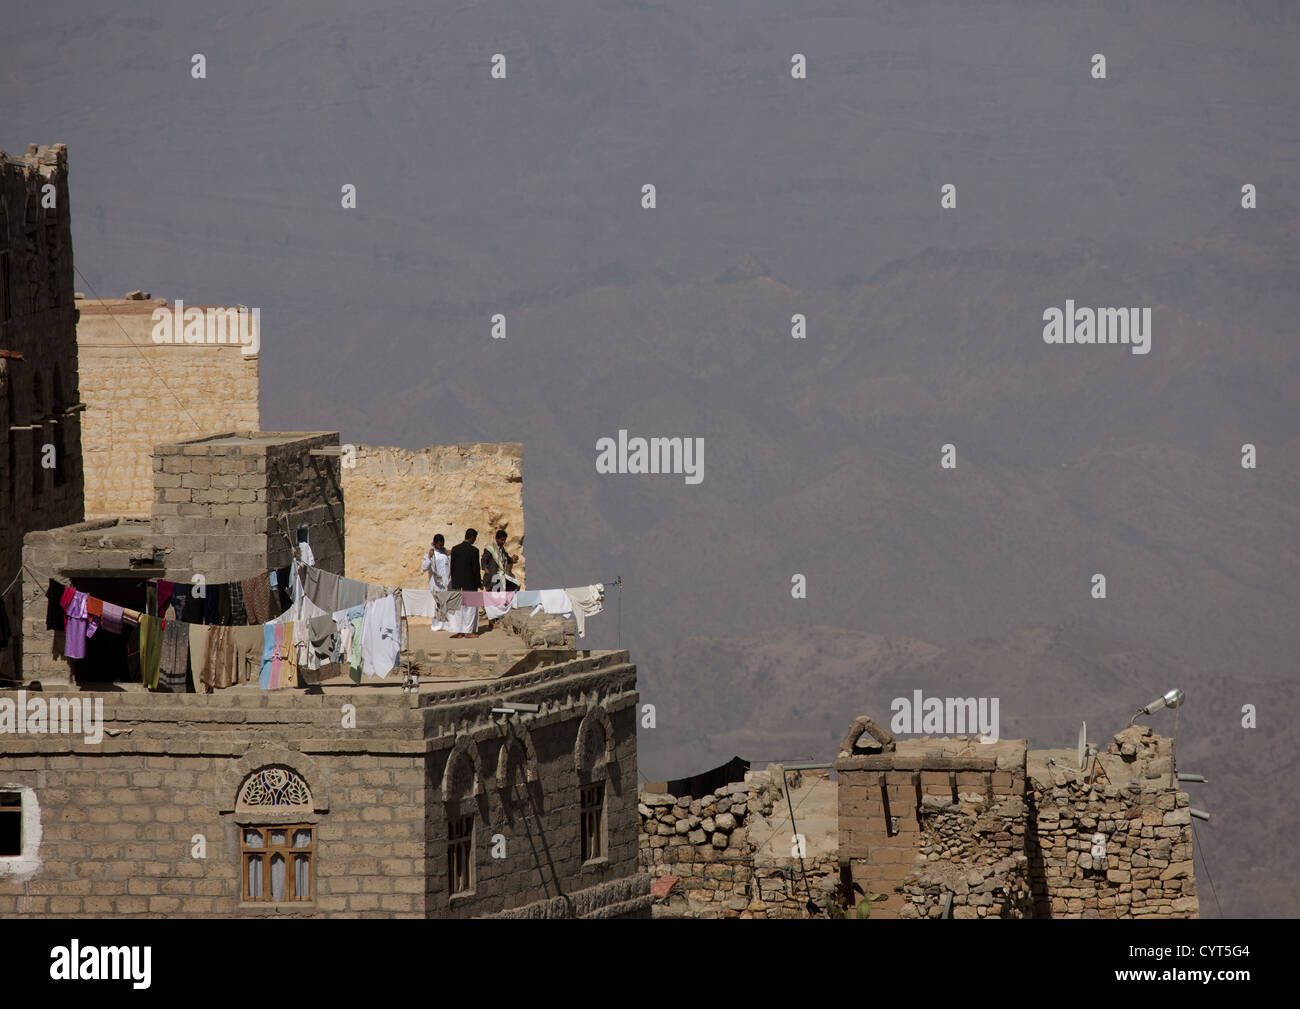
pixel 1082 750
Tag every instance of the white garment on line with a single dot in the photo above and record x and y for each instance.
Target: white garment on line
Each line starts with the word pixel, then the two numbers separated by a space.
pixel 555 601
pixel 587 600
pixel 381 637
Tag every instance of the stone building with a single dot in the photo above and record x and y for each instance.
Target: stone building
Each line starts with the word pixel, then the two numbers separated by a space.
pixel 139 394
pixel 504 784
pixel 225 507
pixel 935 828
pixel 355 801
pixel 40 462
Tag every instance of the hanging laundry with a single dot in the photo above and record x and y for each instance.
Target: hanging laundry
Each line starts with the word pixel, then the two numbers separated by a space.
pixel 112 618
pixel 271 635
pixel 528 597
pixel 151 641
pixel 351 593
pixel 322 588
pixel 238 614
pixel 95 608
pixel 248 645
pixel 289 662
pixel 212 654
pixel 587 601
pixel 196 607
pixel 355 659
pixel 417 602
pixel 77 625
pixel 54 606
pixel 174 661
pixel 323 636
pixel 555 602
pixel 302 644
pixel 497 604
pixel 381 637
pixel 165 589
pixel 257 598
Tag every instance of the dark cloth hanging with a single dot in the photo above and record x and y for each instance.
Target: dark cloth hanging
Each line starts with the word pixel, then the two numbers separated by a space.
pixel 192 613
pixel 238 614
pixel 709 781
pixel 54 608
pixel 210 605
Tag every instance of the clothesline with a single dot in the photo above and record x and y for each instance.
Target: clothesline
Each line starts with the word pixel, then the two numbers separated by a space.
pixel 328 620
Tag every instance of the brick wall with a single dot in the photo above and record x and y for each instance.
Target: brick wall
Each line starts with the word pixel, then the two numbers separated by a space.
pixel 139 394
pixel 37 320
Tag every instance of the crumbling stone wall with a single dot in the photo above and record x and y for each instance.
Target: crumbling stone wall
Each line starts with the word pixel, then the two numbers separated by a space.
pixel 209 388
pixel 397 500
pixel 972 859
pixel 1142 817
pixel 706 843
pixel 39 385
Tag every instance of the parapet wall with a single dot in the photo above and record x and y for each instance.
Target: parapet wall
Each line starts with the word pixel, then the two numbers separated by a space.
pixel 398 499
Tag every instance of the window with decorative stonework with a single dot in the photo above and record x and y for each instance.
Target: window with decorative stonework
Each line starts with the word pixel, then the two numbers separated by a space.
pixel 277 839
pixel 278 862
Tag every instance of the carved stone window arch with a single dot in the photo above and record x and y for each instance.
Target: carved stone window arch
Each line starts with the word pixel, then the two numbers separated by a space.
pixel 593 750
pixel 462 777
pixel 274 787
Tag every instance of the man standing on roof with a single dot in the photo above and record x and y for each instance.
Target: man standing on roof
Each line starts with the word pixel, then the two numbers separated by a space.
pixel 464 575
pixel 438 564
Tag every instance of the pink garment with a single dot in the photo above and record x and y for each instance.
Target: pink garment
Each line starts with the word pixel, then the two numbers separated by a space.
pixel 505 599
pixel 474 599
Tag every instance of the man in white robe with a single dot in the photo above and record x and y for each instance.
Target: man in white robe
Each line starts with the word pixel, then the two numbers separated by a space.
pixel 438 564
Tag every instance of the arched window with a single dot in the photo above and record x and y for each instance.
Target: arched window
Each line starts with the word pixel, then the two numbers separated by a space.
pixel 277 837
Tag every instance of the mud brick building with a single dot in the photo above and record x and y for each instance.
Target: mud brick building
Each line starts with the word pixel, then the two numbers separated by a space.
pixel 40 423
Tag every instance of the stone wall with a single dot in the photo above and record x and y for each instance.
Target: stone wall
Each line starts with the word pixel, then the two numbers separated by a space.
pixel 117 819
pixel 208 388
pixel 972 860
pixel 706 843
pixel 1141 816
pixel 397 500
pixel 885 821
pixel 39 390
